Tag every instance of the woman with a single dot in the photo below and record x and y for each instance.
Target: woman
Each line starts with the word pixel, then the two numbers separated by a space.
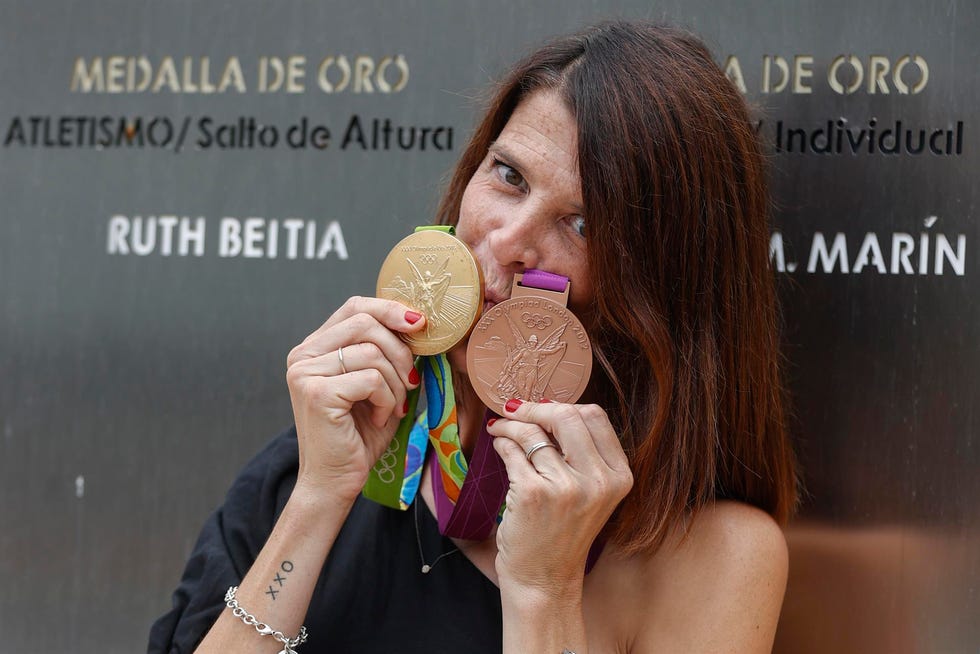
pixel 622 159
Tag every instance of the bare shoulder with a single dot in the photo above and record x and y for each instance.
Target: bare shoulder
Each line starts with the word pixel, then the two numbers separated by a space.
pixel 715 586
pixel 731 538
pixel 719 586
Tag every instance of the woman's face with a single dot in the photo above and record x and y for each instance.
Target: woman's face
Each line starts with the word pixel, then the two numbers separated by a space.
pixel 523 206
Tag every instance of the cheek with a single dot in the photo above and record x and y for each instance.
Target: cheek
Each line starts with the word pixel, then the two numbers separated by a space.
pixel 471 226
pixel 464 222
pixel 576 266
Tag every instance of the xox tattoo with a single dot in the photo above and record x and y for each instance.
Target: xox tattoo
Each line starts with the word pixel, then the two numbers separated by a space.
pixel 286 567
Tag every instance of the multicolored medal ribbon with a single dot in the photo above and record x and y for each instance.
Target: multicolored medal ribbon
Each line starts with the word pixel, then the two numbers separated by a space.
pixel 393 481
pixel 436 274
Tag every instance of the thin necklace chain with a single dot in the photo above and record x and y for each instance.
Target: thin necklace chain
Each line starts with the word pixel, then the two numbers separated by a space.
pixel 426 567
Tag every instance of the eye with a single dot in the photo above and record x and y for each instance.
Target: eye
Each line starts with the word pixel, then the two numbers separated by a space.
pixel 578 224
pixel 508 175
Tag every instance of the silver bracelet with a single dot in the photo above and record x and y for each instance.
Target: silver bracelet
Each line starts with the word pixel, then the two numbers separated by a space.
pixel 261 627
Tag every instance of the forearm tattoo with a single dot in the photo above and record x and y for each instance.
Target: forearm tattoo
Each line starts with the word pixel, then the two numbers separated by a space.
pixel 286 567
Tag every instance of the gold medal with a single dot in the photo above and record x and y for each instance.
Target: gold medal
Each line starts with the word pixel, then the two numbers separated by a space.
pixel 529 347
pixel 436 274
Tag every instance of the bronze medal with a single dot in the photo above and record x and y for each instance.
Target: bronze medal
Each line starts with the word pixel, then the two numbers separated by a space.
pixel 529 347
pixel 436 274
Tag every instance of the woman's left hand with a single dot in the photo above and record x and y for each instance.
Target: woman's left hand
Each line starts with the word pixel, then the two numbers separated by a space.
pixel 560 499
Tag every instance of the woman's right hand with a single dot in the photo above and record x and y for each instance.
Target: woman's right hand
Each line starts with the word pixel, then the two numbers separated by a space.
pixel 344 421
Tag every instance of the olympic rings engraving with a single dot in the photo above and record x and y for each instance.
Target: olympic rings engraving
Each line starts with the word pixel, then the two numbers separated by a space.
pixel 536 320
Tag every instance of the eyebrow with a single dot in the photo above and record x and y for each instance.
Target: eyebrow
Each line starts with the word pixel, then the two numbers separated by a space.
pixel 514 162
pixel 504 153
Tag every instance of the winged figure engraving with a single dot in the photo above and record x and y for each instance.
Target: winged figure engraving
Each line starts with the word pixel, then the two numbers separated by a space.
pixel 427 291
pixel 529 364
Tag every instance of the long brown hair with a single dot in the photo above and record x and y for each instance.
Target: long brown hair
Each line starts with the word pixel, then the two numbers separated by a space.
pixel 686 325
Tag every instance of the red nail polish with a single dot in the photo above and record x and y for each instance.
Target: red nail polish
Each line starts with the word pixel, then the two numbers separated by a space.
pixel 412 317
pixel 491 421
pixel 512 405
pixel 413 376
pixel 545 400
pixel 405 407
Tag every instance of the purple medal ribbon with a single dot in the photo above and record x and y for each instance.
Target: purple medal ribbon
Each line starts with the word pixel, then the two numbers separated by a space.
pixel 475 513
pixel 544 280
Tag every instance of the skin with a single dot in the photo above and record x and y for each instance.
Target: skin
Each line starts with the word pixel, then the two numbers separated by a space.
pixel 716 585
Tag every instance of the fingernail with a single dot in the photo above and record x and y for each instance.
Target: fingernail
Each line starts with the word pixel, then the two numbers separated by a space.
pixel 512 405
pixel 412 317
pixel 491 421
pixel 545 400
pixel 413 376
pixel 405 407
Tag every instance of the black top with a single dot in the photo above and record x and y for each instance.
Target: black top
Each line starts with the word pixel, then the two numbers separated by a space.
pixel 371 595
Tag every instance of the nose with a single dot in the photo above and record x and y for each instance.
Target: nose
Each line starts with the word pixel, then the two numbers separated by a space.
pixel 515 241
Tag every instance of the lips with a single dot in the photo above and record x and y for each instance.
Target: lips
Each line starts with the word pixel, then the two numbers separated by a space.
pixel 496 285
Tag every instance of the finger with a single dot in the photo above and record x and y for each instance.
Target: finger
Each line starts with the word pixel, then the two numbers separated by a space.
pixel 562 421
pixel 604 436
pixel 377 439
pixel 394 315
pixel 360 356
pixel 519 470
pixel 359 328
pixel 363 328
pixel 367 385
pixel 547 461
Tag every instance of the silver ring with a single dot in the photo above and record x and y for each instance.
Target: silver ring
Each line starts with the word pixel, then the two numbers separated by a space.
pixel 537 446
pixel 340 355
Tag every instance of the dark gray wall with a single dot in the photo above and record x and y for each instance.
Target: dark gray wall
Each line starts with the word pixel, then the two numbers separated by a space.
pixel 134 387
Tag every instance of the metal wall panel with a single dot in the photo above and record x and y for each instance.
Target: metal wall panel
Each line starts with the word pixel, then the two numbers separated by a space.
pixel 135 385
